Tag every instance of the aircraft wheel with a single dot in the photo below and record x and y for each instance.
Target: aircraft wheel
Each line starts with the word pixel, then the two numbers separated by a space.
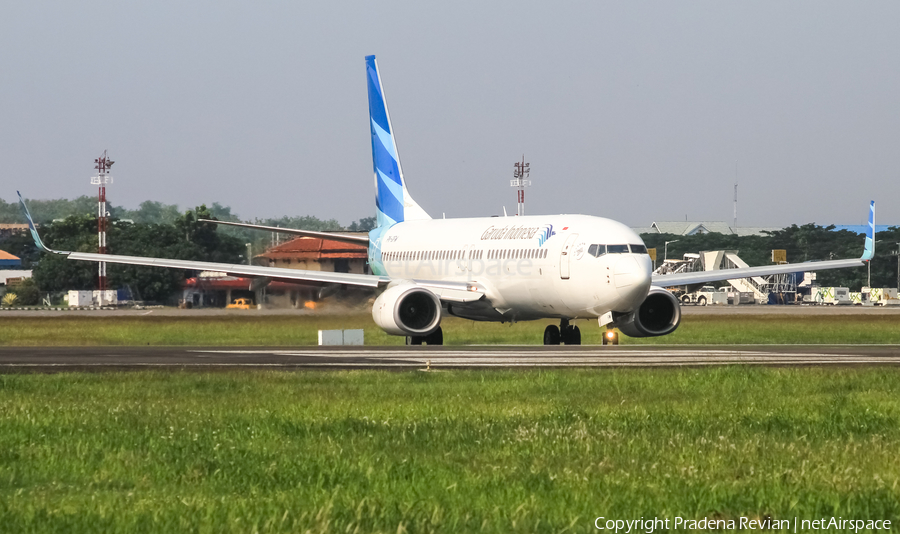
pixel 551 335
pixel 414 340
pixel 435 338
pixel 573 336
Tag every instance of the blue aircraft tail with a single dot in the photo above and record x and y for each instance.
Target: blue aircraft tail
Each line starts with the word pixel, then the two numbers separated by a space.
pixel 869 251
pixel 392 200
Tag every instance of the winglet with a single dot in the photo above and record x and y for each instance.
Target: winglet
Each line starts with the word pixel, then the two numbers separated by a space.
pixel 869 251
pixel 34 234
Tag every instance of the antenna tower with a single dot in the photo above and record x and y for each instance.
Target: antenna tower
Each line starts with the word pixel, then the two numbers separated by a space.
pixel 734 222
pixel 102 164
pixel 520 175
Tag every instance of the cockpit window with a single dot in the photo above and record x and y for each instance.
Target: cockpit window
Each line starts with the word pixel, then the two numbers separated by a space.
pixel 599 250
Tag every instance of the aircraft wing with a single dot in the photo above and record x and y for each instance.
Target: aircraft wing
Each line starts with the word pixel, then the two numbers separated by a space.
pixel 446 290
pixel 700 277
pixel 344 238
pixel 275 273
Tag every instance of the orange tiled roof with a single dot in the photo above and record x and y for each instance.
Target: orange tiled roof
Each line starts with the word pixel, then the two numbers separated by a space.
pixel 312 255
pixel 315 248
pixel 7 256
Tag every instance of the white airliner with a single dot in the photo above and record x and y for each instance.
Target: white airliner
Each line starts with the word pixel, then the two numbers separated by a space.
pixel 507 269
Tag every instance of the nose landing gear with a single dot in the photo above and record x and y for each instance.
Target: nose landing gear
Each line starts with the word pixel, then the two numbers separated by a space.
pixel 610 337
pixel 565 333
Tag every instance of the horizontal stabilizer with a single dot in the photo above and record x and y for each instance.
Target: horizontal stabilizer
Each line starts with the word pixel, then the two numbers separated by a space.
pixel 343 238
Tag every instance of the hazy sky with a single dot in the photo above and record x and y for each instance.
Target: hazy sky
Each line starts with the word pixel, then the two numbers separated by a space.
pixel 637 111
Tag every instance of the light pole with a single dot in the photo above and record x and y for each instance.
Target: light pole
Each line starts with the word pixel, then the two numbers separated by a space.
pixel 249 253
pixel 898 265
pixel 666 250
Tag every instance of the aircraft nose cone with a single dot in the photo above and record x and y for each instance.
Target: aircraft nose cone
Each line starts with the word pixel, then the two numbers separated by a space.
pixel 632 279
pixel 626 272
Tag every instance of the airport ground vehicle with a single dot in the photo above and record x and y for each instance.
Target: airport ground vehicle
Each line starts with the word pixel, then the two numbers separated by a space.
pixel 241 304
pixel 707 295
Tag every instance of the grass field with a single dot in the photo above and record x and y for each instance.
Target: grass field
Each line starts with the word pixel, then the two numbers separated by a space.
pixel 462 451
pixel 293 330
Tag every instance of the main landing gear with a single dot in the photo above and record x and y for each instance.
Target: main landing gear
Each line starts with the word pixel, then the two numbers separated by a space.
pixel 564 333
pixel 434 338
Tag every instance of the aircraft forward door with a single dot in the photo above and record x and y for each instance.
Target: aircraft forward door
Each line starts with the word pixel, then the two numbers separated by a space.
pixel 566 255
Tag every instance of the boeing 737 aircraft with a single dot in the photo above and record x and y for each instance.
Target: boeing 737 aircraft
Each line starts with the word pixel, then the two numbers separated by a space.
pixel 509 269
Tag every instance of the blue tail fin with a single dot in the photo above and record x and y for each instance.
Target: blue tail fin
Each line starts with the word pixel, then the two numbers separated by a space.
pixel 869 251
pixel 392 200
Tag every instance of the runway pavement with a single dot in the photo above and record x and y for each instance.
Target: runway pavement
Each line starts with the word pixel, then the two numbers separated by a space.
pixel 59 359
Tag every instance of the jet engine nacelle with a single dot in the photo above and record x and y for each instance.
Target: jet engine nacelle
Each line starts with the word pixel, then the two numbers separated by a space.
pixel 658 315
pixel 407 310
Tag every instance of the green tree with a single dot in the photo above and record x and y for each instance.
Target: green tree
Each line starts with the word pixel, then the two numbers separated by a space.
pixel 45 211
pixel 53 272
pixel 185 239
pixel 152 212
pixel 27 293
pixel 365 224
pixel 223 213
pixel 306 222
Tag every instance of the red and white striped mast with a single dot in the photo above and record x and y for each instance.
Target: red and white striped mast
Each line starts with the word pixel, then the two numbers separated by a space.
pixel 521 181
pixel 102 164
